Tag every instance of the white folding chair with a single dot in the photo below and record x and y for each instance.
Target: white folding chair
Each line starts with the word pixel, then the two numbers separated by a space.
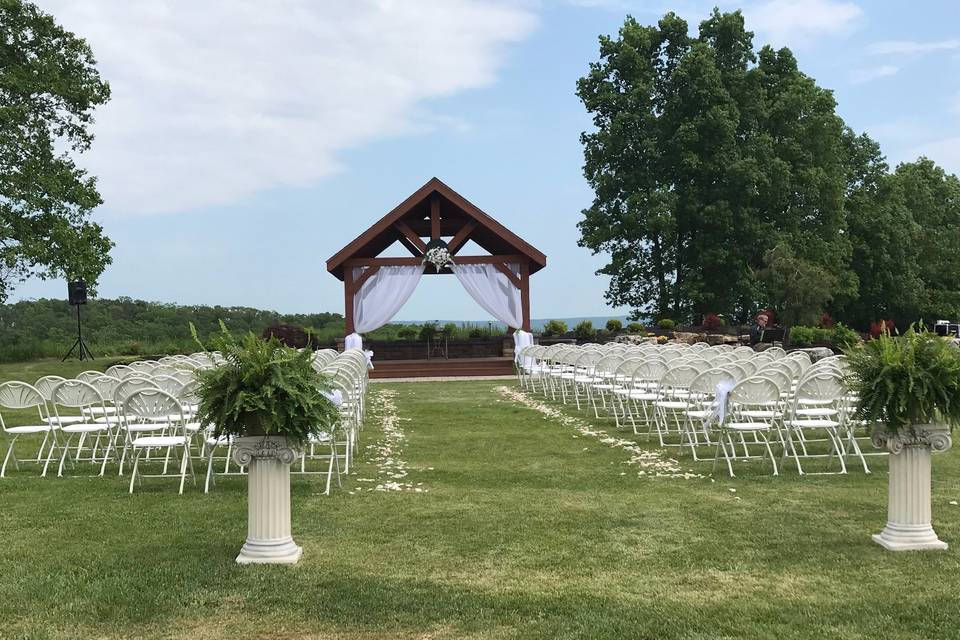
pixel 151 410
pixel 752 407
pixel 82 396
pixel 20 395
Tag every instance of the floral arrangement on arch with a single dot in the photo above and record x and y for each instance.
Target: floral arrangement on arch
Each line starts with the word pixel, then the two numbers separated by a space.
pixel 438 254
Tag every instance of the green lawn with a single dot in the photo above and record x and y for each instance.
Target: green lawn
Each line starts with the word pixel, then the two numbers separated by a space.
pixel 520 530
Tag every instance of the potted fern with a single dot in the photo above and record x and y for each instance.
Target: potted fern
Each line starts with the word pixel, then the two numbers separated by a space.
pixel 908 387
pixel 266 397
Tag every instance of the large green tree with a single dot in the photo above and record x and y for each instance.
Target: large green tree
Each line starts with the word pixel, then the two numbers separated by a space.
pixel 704 156
pixel 933 198
pixel 883 234
pixel 49 87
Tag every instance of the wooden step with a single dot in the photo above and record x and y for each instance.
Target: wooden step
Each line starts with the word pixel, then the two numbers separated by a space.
pixel 455 367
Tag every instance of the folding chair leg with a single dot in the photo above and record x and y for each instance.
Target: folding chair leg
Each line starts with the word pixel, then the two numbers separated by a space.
pixel 43 445
pixel 133 474
pixel 46 464
pixel 183 468
pixel 206 484
pixel 64 456
pixel 6 459
pixel 333 456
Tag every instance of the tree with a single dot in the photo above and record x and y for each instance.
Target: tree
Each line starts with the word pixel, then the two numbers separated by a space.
pixel 554 328
pixel 49 87
pixel 882 232
pixel 933 198
pixel 799 289
pixel 703 156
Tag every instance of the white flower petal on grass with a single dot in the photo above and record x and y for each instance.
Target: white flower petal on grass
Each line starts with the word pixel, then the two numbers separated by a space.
pixel 644 459
pixel 387 454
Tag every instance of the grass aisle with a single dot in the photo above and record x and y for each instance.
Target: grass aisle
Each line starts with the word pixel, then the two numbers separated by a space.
pixel 523 528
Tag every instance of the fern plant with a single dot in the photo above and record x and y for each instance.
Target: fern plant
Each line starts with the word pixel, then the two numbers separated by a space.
pixel 263 388
pixel 906 380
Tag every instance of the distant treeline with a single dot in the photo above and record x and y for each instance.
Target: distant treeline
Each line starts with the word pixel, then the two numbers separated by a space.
pixel 46 328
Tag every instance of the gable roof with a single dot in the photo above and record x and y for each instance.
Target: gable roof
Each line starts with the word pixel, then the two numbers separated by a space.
pixel 455 212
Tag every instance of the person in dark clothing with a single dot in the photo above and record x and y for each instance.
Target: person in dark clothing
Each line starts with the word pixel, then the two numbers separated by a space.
pixel 756 331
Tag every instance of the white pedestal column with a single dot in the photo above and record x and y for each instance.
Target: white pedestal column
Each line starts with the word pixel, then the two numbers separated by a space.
pixel 909 514
pixel 268 460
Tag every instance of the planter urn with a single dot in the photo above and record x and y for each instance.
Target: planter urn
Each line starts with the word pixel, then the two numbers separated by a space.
pixel 909 517
pixel 268 460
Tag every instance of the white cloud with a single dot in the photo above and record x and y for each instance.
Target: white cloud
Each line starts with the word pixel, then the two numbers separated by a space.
pixel 799 22
pixel 866 75
pixel 910 47
pixel 944 151
pixel 216 100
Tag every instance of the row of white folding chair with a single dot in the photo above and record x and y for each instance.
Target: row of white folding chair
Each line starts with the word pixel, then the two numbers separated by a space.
pixel 815 405
pixel 346 375
pixel 668 401
pixel 59 430
pixel 114 393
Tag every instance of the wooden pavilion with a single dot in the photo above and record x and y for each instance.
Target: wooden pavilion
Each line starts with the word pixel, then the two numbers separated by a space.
pixel 435 212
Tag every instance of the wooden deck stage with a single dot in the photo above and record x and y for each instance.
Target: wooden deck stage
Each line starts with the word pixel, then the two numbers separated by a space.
pixel 439 368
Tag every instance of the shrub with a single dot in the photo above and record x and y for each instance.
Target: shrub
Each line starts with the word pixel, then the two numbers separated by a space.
pixel 555 328
pixel 826 321
pixel 666 323
pixel 880 327
pixel 636 327
pixel 451 329
pixel 428 331
pixel 906 380
pixel 712 321
pixel 478 333
pixel 585 331
pixel 844 337
pixel 801 336
pixel 614 325
pixel 407 333
pixel 290 335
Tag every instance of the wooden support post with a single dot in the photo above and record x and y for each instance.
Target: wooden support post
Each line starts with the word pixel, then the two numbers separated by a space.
pixel 525 294
pixel 434 217
pixel 348 300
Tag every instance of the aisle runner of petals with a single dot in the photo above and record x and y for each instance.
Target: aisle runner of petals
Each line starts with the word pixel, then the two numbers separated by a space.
pixel 386 452
pixel 650 463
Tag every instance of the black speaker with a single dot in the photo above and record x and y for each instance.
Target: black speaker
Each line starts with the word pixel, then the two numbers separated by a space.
pixel 77 291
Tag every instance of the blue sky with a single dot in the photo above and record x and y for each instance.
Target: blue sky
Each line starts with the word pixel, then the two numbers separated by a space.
pixel 248 141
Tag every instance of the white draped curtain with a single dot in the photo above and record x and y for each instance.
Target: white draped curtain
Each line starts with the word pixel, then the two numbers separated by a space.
pixel 492 290
pixel 382 295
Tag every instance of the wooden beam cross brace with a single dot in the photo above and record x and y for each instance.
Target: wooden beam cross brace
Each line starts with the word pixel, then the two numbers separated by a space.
pixel 411 237
pixel 462 236
pixel 355 285
pixel 511 276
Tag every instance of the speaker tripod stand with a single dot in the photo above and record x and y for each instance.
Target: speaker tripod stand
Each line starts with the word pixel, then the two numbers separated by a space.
pixel 83 353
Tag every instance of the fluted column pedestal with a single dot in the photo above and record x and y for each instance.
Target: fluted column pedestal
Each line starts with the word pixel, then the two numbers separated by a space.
pixel 268 460
pixel 909 515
